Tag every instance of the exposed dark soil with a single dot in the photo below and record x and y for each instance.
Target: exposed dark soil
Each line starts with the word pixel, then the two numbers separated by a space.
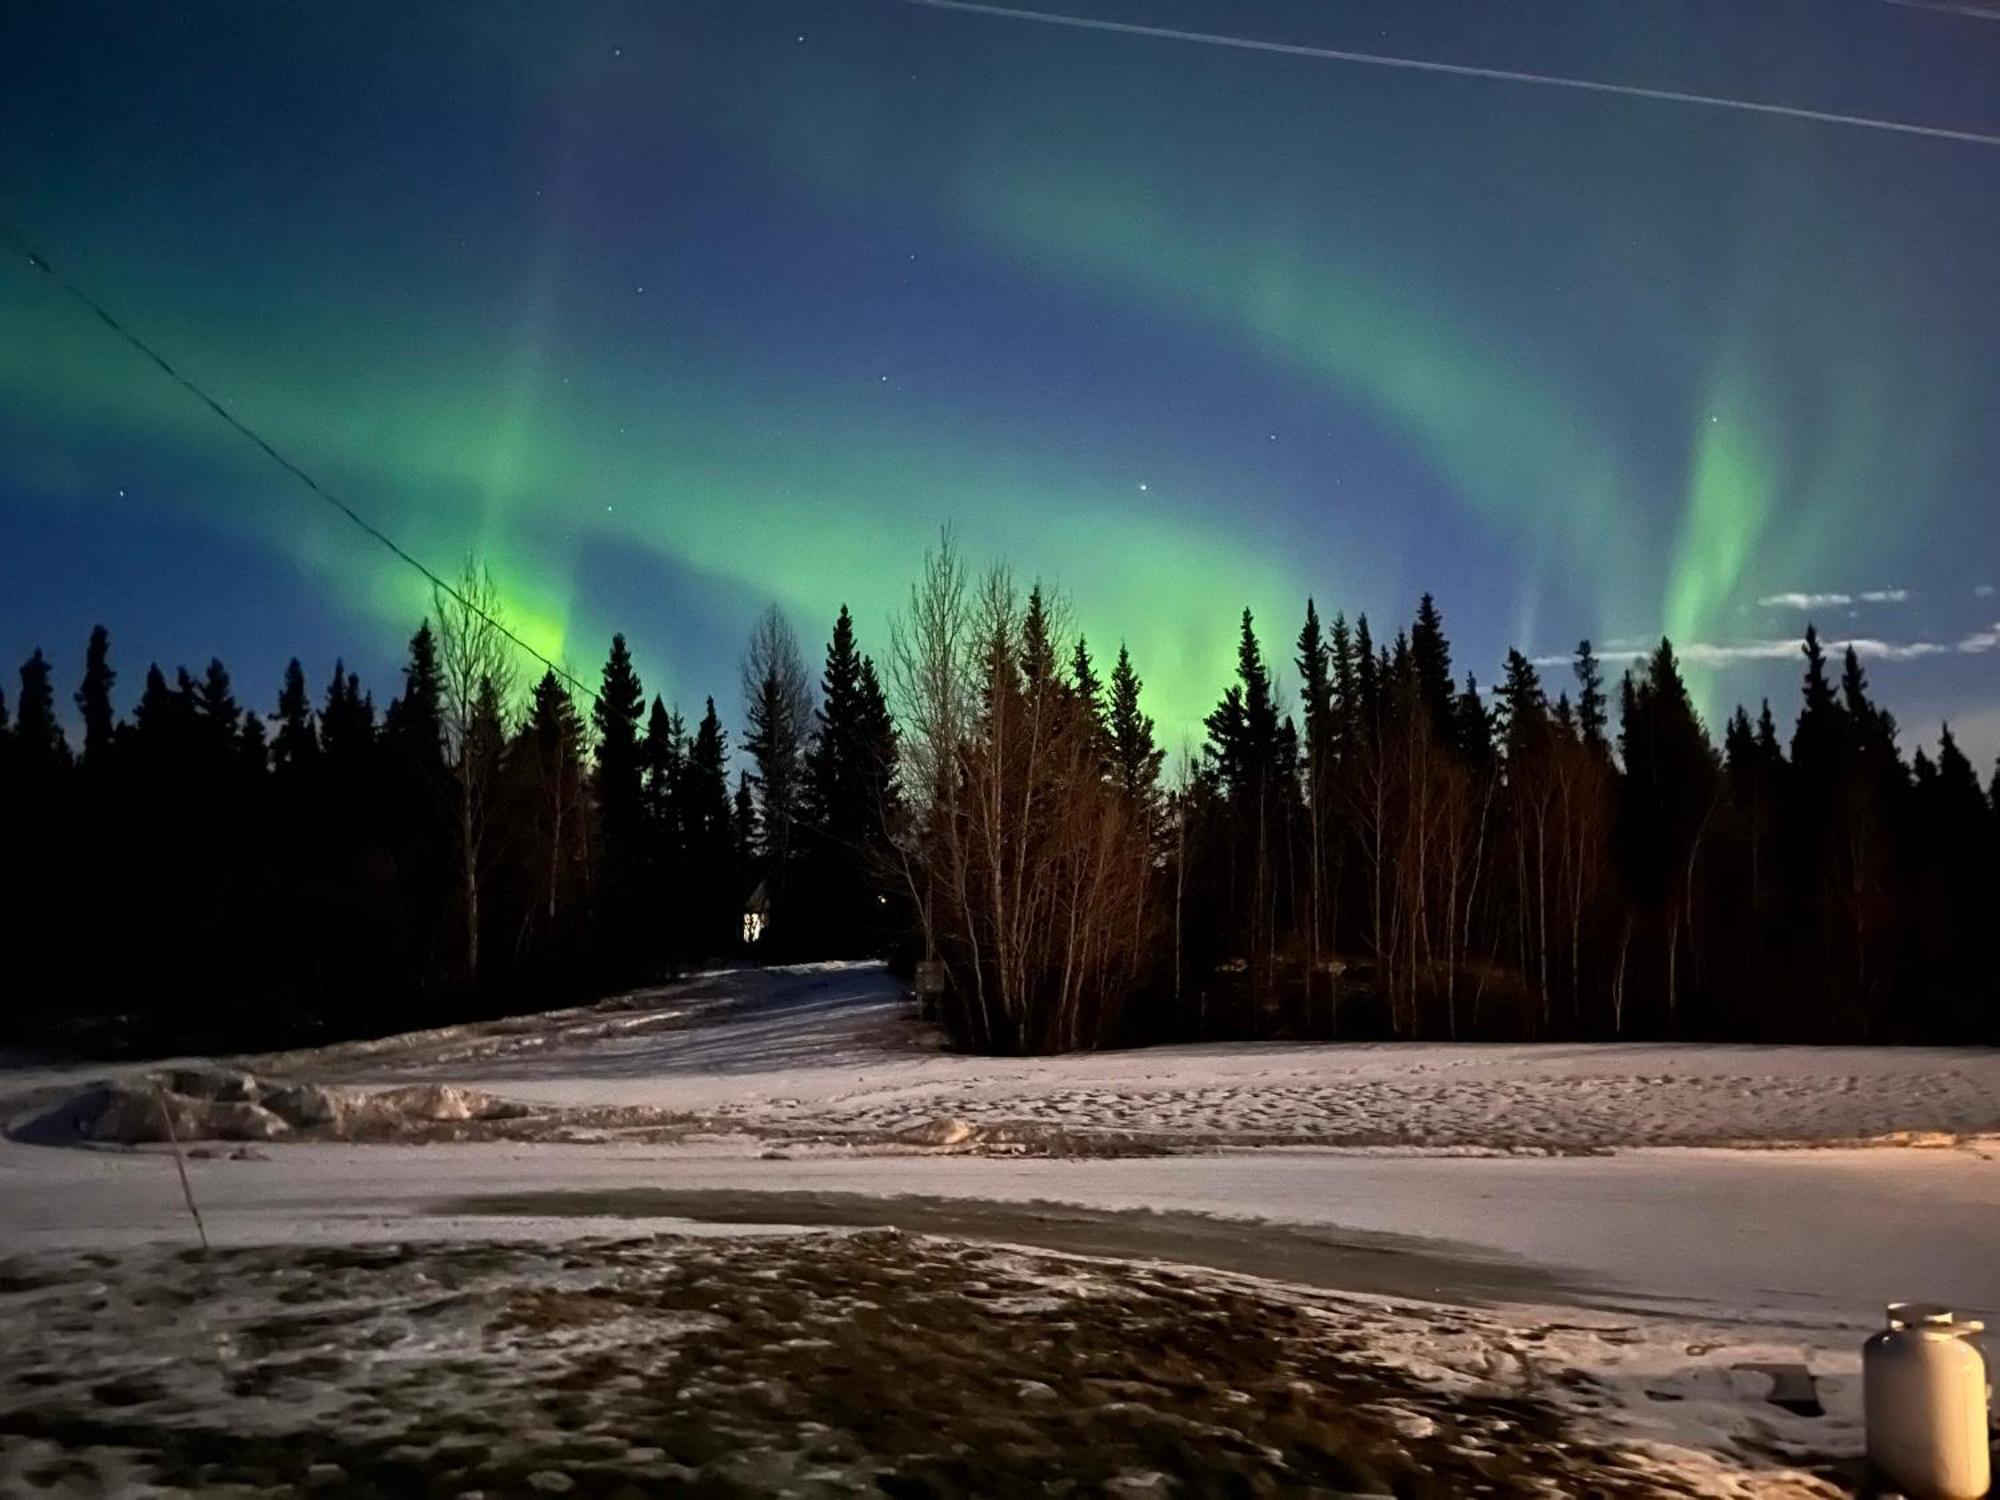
pixel 870 1363
pixel 1338 1259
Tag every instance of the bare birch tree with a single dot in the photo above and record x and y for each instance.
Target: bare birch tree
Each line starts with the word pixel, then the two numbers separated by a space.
pixel 476 671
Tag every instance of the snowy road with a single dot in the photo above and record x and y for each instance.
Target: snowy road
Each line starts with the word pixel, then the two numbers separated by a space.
pixel 1817 1238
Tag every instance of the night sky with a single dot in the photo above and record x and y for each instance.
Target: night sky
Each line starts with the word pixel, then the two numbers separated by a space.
pixel 670 311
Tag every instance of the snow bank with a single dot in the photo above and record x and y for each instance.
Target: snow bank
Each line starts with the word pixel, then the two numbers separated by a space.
pixel 229 1104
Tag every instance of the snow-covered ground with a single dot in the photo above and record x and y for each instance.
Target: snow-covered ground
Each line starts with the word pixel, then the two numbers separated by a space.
pixel 1562 1208
pixel 832 1048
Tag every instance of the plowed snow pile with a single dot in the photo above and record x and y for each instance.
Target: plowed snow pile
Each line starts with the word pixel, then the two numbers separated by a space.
pixel 224 1104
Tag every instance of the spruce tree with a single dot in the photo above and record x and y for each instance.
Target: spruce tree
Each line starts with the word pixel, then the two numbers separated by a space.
pixel 664 754
pixel 778 710
pixel 837 812
pixel 215 710
pixel 1430 660
pixel 1670 790
pixel 1592 719
pixel 547 759
pixel 621 808
pixel 715 901
pixel 1135 758
pixel 743 822
pixel 93 699
pixel 1089 690
pixel 1367 685
pixel 1523 708
pixel 40 749
pixel 253 746
pixel 1316 698
pixel 295 747
pixel 413 726
pixel 1038 649
pixel 1473 725
pixel 1243 729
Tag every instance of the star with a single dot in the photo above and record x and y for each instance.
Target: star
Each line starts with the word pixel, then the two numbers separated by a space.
pixel 617 51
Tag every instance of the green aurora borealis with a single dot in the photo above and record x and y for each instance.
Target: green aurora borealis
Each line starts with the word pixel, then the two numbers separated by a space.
pixel 671 311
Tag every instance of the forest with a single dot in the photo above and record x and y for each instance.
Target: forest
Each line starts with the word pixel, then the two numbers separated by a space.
pixel 1382 850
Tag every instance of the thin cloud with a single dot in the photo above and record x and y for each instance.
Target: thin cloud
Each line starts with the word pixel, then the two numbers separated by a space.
pixel 1984 591
pixel 1787 648
pixel 1795 599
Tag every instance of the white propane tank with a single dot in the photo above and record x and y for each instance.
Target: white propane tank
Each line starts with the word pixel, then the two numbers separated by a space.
pixel 1924 1394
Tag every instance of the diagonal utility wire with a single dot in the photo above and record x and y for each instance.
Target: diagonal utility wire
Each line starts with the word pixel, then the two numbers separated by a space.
pixel 40 262
pixel 1471 70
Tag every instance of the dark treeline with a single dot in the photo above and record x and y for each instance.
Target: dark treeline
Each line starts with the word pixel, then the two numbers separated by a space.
pixel 1382 849
pixel 1390 851
pixel 202 873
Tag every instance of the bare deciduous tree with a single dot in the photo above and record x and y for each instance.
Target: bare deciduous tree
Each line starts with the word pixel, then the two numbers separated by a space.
pixel 1025 861
pixel 476 668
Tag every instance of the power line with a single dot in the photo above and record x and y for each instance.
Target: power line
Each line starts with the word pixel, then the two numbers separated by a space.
pixel 1460 70
pixel 41 263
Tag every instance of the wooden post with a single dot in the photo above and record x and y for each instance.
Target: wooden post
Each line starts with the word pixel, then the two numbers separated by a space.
pixel 187 1192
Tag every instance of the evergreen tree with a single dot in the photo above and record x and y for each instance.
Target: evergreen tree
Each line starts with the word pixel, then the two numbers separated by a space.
pixel 743 823
pixel 1523 708
pixel 421 798
pixel 1243 728
pixel 1038 649
pixel 93 699
pixel 1135 758
pixel 295 748
pixel 713 874
pixel 1367 684
pixel 1472 728
pixel 548 759
pixel 621 806
pixel 850 803
pixel 1592 720
pixel 778 709
pixel 1316 698
pixel 1430 659
pixel 40 751
pixel 1252 756
pixel 1089 690
pixel 215 710
pixel 1670 790
pixel 346 720
pixel 1346 686
pixel 254 747
pixel 1821 732
pixel 664 754
pixel 413 726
